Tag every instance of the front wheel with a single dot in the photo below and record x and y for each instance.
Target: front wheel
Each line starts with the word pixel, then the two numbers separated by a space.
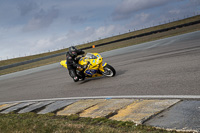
pixel 109 71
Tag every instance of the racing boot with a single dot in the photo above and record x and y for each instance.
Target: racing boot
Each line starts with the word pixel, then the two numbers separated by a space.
pixel 76 79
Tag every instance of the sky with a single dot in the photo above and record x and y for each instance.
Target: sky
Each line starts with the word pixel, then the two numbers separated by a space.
pixel 29 27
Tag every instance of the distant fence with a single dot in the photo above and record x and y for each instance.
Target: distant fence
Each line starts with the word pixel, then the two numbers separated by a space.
pixel 102 44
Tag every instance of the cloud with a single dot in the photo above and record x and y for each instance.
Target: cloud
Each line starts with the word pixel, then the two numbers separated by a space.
pixel 139 21
pixel 42 19
pixel 37 26
pixel 129 7
pixel 74 37
pixel 175 11
pixel 26 7
pixel 181 10
pixel 77 20
pixel 91 34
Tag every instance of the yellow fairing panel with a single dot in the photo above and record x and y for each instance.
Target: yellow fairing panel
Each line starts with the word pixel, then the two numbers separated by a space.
pixel 83 61
pixel 64 63
pixel 101 66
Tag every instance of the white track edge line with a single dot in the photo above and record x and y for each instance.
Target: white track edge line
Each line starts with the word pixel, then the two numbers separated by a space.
pixel 190 97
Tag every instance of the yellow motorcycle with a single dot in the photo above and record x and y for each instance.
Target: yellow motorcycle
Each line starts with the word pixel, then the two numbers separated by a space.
pixel 95 66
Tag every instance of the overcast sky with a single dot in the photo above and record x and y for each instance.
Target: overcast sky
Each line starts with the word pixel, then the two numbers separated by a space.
pixel 35 26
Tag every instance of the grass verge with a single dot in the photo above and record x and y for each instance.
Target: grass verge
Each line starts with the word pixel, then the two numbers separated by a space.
pixel 50 123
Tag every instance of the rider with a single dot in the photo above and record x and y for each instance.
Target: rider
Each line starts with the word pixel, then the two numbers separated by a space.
pixel 72 62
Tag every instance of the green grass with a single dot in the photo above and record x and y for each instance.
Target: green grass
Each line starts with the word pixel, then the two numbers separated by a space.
pixel 50 123
pixel 108 47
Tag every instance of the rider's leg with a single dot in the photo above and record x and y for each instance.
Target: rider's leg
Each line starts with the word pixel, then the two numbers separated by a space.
pixel 81 75
pixel 72 73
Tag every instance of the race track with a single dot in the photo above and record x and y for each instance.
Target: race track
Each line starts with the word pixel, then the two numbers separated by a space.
pixel 168 66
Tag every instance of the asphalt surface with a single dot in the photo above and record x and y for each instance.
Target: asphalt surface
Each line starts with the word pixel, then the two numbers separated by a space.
pixel 184 115
pixel 163 67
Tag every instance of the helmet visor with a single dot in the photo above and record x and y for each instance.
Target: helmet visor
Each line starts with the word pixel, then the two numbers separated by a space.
pixel 74 53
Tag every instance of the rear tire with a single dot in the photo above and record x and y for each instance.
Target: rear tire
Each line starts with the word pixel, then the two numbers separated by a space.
pixel 109 71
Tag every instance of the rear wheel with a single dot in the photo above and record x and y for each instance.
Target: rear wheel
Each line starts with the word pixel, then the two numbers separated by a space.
pixel 109 71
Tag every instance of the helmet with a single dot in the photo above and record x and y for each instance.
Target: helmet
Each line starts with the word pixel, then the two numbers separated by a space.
pixel 73 51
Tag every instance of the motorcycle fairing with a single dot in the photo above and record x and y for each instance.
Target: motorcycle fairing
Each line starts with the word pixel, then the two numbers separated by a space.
pixel 64 63
pixel 91 72
pixel 95 64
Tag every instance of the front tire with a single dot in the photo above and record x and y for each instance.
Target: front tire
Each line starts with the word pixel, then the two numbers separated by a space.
pixel 109 71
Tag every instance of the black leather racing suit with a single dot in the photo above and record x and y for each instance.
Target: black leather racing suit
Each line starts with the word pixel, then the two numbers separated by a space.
pixel 72 63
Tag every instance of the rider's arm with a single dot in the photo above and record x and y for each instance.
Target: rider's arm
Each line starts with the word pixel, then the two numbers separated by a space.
pixel 80 52
pixel 71 62
pixel 77 65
